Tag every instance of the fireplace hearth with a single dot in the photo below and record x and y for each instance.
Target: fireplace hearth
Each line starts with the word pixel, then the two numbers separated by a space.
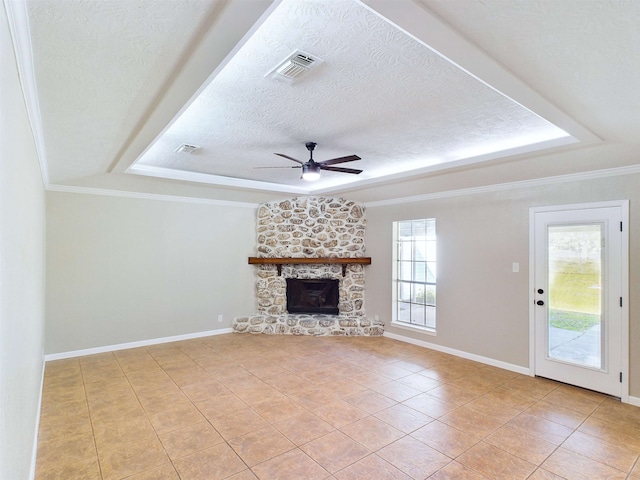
pixel 319 295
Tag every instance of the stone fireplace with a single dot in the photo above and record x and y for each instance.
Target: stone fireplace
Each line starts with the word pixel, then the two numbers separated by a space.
pixel 320 242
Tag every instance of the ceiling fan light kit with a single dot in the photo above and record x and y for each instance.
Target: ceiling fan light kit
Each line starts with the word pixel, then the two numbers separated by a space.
pixel 310 171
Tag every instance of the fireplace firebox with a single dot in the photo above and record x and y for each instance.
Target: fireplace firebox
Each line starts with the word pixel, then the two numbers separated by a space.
pixel 318 295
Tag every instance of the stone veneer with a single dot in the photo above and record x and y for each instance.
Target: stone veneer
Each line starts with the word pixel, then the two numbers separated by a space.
pixel 310 227
pixel 308 324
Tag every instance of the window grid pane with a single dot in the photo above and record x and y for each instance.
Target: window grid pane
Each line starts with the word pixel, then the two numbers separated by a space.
pixel 419 271
pixel 404 271
pixel 404 250
pixel 404 291
pixel 416 272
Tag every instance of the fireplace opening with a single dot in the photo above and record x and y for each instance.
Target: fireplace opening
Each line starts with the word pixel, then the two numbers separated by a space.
pixel 318 295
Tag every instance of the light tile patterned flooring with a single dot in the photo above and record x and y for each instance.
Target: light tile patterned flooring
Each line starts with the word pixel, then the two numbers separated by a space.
pixel 240 406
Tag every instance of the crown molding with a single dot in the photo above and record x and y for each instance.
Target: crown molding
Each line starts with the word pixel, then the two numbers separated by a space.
pixel 538 182
pixel 149 196
pixel 20 32
pixel 169 173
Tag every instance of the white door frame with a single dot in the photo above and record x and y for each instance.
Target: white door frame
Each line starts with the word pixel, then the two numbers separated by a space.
pixel 624 347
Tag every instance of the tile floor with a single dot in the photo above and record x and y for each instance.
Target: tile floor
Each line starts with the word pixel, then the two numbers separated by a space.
pixel 282 407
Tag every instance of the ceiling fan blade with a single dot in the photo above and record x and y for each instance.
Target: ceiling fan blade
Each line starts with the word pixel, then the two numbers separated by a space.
pixel 289 158
pixel 340 169
pixel 333 161
pixel 295 166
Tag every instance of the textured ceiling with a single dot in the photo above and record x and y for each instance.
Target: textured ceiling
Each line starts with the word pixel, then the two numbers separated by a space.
pixel 412 87
pixel 583 54
pixel 98 65
pixel 374 78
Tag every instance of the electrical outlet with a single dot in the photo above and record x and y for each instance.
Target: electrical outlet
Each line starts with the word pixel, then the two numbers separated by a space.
pixel 220 318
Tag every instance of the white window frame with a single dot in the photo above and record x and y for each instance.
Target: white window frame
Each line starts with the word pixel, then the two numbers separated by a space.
pixel 425 247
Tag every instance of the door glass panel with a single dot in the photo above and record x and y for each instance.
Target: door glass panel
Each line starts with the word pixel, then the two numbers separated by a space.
pixel 574 324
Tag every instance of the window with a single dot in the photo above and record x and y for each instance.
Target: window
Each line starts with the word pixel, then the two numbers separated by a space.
pixel 414 273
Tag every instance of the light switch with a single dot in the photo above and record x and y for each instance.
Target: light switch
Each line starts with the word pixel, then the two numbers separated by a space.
pixel 515 267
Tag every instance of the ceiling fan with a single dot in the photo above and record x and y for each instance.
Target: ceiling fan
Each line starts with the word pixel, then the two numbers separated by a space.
pixel 311 168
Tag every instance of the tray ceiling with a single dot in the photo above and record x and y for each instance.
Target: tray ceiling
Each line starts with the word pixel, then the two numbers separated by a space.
pixel 115 88
pixel 424 110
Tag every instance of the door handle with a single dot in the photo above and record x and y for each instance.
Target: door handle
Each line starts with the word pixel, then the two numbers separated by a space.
pixel 539 302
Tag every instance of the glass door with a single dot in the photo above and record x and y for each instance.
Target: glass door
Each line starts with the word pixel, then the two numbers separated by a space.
pixel 577 297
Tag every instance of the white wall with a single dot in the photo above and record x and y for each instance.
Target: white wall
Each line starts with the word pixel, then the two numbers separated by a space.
pixel 123 270
pixel 22 237
pixel 483 306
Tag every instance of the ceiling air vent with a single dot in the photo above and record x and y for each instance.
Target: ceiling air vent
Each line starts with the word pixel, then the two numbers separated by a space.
pixel 185 148
pixel 294 66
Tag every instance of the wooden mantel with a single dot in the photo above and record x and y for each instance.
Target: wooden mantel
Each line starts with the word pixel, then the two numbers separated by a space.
pixel 279 261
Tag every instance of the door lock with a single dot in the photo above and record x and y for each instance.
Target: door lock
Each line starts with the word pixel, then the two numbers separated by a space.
pixel 539 302
pixel 540 291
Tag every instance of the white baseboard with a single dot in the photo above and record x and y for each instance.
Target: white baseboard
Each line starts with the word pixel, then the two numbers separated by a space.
pixel 34 450
pixel 634 401
pixel 459 353
pixel 478 358
pixel 142 343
